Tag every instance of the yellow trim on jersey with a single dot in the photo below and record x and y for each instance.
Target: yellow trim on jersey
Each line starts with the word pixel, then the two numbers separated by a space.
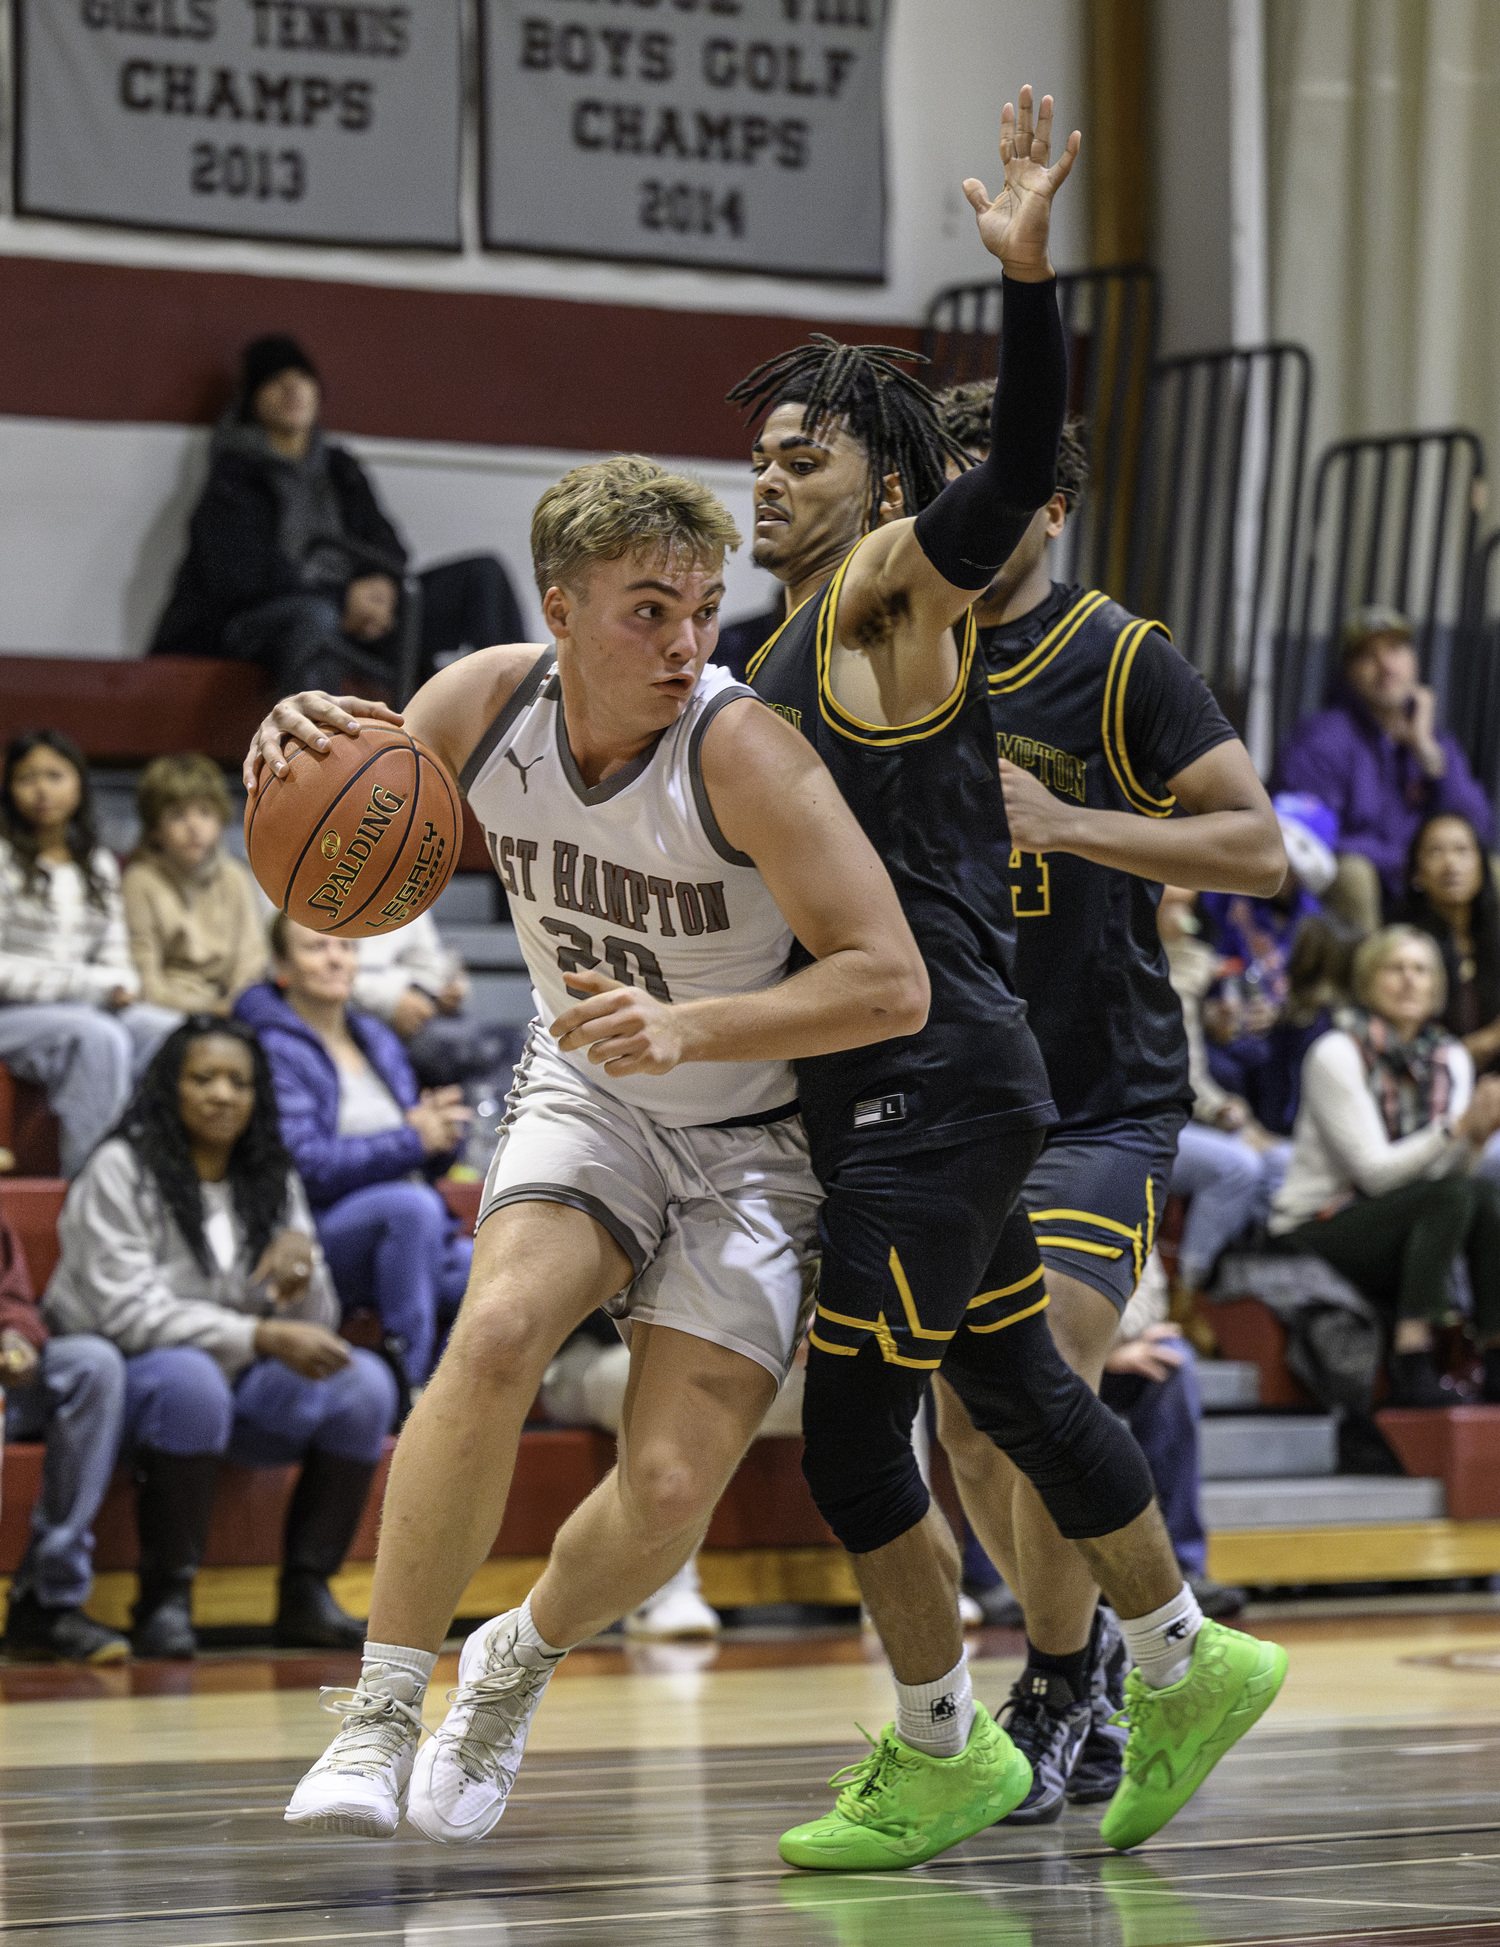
pixel 1008 1290
pixel 1083 1217
pixel 843 1351
pixel 1051 644
pixel 1126 645
pixel 883 736
pixel 1015 1318
pixel 914 1324
pixel 771 640
pixel 1078 1244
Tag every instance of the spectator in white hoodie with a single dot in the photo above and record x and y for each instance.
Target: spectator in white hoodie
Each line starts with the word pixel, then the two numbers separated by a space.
pixel 71 1018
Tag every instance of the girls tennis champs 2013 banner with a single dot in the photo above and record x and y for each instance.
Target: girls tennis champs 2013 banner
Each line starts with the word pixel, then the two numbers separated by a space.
pixel 741 133
pixel 305 119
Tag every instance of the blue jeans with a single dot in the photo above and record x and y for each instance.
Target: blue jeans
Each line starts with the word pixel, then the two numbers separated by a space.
pixel 76 1404
pixel 1163 1415
pixel 86 1058
pixel 1228 1184
pixel 396 1248
pixel 178 1401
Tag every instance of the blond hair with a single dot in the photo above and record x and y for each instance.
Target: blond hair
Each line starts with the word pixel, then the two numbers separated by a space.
pixel 168 782
pixel 611 508
pixel 1371 955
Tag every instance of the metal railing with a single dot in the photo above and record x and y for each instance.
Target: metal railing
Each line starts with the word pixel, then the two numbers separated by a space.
pixel 1474 687
pixel 1110 319
pixel 1394 520
pixel 1213 547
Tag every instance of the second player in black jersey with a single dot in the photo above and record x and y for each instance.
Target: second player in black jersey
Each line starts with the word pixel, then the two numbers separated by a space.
pixel 1119 771
pixel 1097 705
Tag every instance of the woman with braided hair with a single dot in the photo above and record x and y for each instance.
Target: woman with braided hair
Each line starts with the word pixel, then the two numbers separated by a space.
pixel 923 1143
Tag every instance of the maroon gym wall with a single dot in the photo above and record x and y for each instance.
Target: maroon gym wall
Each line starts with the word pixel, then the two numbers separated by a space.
pixel 109 342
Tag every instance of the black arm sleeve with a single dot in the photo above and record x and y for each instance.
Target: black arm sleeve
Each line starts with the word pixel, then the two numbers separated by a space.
pixel 975 524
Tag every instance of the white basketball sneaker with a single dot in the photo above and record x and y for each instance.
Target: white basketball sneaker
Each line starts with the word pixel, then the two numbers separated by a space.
pixel 677 1610
pixel 464 1772
pixel 358 1784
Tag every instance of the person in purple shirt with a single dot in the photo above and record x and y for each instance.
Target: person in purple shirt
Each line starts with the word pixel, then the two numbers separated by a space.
pixel 1378 760
pixel 365 1141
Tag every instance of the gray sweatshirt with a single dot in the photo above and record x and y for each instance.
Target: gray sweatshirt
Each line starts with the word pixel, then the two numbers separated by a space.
pixel 127 1272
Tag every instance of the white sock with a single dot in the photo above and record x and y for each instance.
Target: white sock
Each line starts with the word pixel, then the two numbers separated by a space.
pixel 530 1639
pixel 384 1661
pixel 1162 1643
pixel 936 1717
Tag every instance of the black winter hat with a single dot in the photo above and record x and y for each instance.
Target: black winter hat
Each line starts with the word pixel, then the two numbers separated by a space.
pixel 266 358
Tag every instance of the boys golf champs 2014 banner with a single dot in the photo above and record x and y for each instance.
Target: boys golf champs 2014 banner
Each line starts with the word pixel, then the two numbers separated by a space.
pixel 739 133
pixel 267 118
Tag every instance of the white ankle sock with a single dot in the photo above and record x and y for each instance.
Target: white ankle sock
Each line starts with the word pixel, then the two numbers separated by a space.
pixel 529 1637
pixel 936 1717
pixel 382 1659
pixel 1162 1643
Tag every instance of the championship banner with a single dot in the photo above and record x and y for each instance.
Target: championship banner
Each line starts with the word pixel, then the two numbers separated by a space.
pixel 306 119
pixel 741 133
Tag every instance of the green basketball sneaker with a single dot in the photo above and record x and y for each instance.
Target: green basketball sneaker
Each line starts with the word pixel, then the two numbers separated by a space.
pixel 899 1807
pixel 1179 1734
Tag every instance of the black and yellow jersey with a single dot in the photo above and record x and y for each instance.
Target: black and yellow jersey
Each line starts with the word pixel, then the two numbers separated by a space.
pixel 1097 704
pixel 928 796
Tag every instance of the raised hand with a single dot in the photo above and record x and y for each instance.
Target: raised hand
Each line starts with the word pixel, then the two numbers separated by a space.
pixel 1014 225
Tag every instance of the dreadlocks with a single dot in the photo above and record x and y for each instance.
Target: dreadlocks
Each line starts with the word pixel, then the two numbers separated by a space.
pixel 892 415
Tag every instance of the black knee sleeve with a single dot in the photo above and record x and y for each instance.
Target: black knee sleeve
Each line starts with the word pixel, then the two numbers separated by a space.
pixel 1020 1393
pixel 857 1416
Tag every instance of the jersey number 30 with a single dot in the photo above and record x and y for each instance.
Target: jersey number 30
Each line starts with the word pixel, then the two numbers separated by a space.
pixel 1030 885
pixel 575 952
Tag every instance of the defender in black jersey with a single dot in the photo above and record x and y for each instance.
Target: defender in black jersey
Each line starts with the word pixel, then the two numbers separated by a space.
pixel 1103 733
pixel 923 1147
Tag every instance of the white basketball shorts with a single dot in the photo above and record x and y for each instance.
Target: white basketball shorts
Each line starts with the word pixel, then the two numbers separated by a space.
pixel 720 1225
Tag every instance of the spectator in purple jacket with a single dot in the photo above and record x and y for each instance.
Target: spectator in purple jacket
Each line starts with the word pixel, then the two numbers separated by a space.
pixel 364 1139
pixel 1378 760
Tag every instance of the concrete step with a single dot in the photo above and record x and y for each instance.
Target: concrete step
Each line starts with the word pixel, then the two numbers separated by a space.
pixel 1228 1385
pixel 1267 1446
pixel 1338 1501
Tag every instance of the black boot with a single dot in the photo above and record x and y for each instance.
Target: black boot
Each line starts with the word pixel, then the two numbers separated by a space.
pixel 1414 1382
pixel 320 1523
pixel 174 1502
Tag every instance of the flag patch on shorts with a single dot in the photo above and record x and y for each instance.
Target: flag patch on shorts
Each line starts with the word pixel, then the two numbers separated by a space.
pixel 880 1108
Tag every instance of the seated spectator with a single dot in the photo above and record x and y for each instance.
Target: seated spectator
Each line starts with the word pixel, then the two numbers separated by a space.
pixel 69 1393
pixel 1151 1381
pixel 1378 760
pixel 71 1019
pixel 1227 1166
pixel 194 914
pixel 418 988
pixel 291 562
pixel 1257 937
pixel 1452 896
pixel 187 1241
pixel 1381 1180
pixel 363 1137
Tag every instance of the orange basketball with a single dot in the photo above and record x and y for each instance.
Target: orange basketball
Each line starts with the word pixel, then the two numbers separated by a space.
pixel 356 839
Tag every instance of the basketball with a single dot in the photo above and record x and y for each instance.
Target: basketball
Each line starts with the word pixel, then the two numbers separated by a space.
pixel 356 839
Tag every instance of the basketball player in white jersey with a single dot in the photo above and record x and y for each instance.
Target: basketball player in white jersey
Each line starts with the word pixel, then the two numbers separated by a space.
pixel 662 836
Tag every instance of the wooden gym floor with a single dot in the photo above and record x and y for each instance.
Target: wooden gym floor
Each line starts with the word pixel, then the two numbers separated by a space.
pixel 142 1808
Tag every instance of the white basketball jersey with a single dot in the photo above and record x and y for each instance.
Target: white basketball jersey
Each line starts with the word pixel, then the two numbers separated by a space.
pixel 633 877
